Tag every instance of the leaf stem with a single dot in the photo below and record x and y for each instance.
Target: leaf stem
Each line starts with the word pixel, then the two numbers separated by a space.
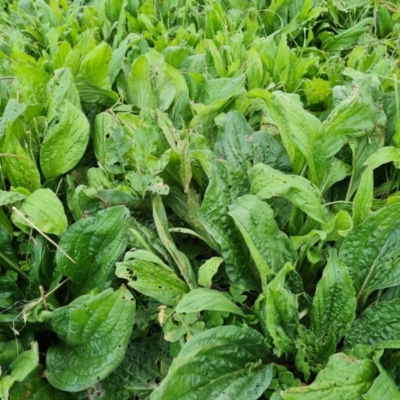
pixel 14 266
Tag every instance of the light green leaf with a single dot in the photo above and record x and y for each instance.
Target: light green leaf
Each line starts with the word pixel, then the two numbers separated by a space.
pixel 90 328
pixel 221 363
pixel 64 141
pixel 378 326
pixel 343 378
pixel 267 182
pixel 226 184
pixel 206 299
pixel 208 270
pixel 363 199
pixel 282 316
pixel 371 251
pixel 269 247
pixel 11 113
pixel 183 263
pixel 383 387
pixel 334 304
pixel 382 156
pixel 19 168
pixel 19 369
pixel 95 244
pixel 353 117
pixel 139 85
pixel 44 209
pixel 152 280
pixel 10 197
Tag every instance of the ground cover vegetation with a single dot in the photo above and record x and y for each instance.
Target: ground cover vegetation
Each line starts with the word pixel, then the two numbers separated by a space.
pixel 199 199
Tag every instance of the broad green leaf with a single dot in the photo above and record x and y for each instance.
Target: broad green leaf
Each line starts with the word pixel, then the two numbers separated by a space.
pixel 61 86
pixel 95 244
pixel 10 293
pixel 11 113
pixel 383 156
pixel 19 168
pixel 269 247
pixel 10 197
pixel 267 182
pixel 43 209
pixel 282 316
pixel 152 280
pixel 8 257
pixel 371 251
pixel 378 326
pixel 19 369
pixel 139 85
pixel 222 362
pixel 241 146
pixel 208 270
pixel 226 184
pixel 35 387
pixel 206 299
pixel 64 141
pixel 383 387
pixel 31 83
pixel 181 260
pixel 301 133
pixel 353 117
pixel 343 378
pixel 334 303
pixel 90 328
pixel 363 199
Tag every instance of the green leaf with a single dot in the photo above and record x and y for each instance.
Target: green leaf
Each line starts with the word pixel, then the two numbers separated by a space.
pixel 183 263
pixel 383 387
pixel 267 182
pixel 226 184
pixel 139 85
pixel 343 378
pixel 64 141
pixel 19 369
pixel 95 244
pixel 382 156
pixel 378 326
pixel 241 146
pixel 10 197
pixel 43 209
pixel 11 113
pixel 334 304
pixel 208 270
pixel 353 117
pixel 282 316
pixel 35 387
pixel 363 199
pixel 19 168
pixel 94 333
pixel 269 247
pixel 372 252
pixel 206 299
pixel 152 280
pixel 220 362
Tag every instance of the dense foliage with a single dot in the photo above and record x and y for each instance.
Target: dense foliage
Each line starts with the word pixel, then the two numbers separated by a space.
pixel 199 199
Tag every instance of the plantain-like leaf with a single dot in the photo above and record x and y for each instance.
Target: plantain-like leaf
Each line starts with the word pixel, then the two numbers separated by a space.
pixel 206 299
pixel 378 326
pixel 94 333
pixel 95 244
pixel 44 209
pixel 65 140
pixel 343 378
pixel 152 280
pixel 226 184
pixel 267 182
pixel 269 247
pixel 224 362
pixel 334 304
pixel 372 252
